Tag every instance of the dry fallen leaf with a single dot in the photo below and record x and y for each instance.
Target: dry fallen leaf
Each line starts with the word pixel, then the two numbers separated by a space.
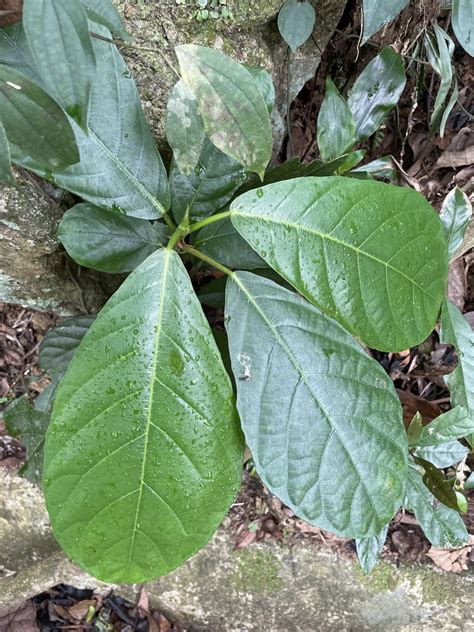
pixel 21 619
pixel 452 560
pixel 10 11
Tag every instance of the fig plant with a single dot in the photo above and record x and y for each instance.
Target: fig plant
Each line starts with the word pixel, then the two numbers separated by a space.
pixel 144 451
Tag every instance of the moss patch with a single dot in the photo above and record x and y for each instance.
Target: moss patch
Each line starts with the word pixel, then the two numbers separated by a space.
pixel 257 572
pixel 383 578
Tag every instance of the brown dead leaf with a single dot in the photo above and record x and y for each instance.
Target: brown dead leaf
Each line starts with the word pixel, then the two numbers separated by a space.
pixel 452 560
pixel 143 602
pixel 80 609
pixel 457 283
pixel 413 404
pixel 10 11
pixel 245 539
pixel 21 619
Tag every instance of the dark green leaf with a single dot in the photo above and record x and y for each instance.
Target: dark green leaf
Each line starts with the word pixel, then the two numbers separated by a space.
pixel 35 124
pixel 58 34
pixel 455 330
pixel 296 22
pixel 234 112
pixel 444 454
pixel 378 13
pixel 455 215
pixel 437 484
pixel 15 52
pixel 455 424
pixel 60 343
pixel 146 408
pixel 349 162
pixel 31 424
pixel 376 91
pixel 6 174
pixel 107 240
pixel 469 484
pixel 344 244
pixel 321 418
pixel 103 12
pixel 264 83
pixel 369 549
pixel 380 168
pixel 415 429
pixel 463 24
pixel 184 128
pixel 336 125
pixel 443 527
pixel 439 49
pixel 209 188
pixel 213 293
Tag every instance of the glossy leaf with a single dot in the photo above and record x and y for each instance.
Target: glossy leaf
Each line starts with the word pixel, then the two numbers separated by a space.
pixel 369 549
pixel 222 241
pixel 234 112
pixel 34 124
pixel 378 13
pixel 434 480
pixel 381 168
pixel 455 424
pixel 455 215
pixel 296 22
pixel 442 526
pixel 107 240
pixel 103 12
pixel 344 244
pixel 415 429
pixel 184 128
pixel 263 81
pixel 336 125
pixel 444 454
pixel 209 188
pixel 439 50
pixel 455 330
pixel 321 418
pixel 58 35
pixel 6 174
pixel 60 343
pixel 376 91
pixel 146 408
pixel 463 24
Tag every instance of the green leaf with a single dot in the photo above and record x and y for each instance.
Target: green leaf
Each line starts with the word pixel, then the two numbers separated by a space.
pixel 469 484
pixel 321 418
pixel 15 52
pixel 463 24
pixel 381 168
pixel 378 13
pixel 23 420
pixel 296 22
pixel 371 255
pixel 336 125
pixel 209 188
pixel 376 91
pixel 60 343
pixel 455 330
pixel 108 240
pixel 455 424
pixel 263 81
pixel 444 454
pixel 184 128
pixel 221 241
pixel 213 293
pixel 6 174
pixel 369 549
pixel 234 112
pixel 120 166
pixel 455 215
pixel 415 429
pixel 443 527
pixel 34 124
pixel 103 12
pixel 146 408
pixel 58 34
pixel 437 484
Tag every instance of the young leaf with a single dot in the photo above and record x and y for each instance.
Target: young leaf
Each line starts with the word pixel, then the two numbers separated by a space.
pixel 209 188
pixel 234 112
pixel 296 22
pixel 381 168
pixel 463 24
pixel 444 454
pixel 6 174
pixel 443 527
pixel 310 398
pixel 31 424
pixel 184 128
pixel 378 13
pixel 107 240
pixel 336 125
pixel 369 549
pixel 455 330
pixel 376 91
pixel 437 484
pixel 34 124
pixel 263 81
pixel 58 35
pixel 455 424
pixel 146 408
pixel 415 429
pixel 455 215
pixel 103 12
pixel 60 343
pixel 343 244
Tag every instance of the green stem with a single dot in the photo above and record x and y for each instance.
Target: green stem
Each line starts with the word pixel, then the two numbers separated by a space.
pixel 209 220
pixel 178 234
pixel 200 255
pixel 168 222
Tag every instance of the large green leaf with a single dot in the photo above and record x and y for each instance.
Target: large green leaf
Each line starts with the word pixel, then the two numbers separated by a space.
pixel 120 166
pixel 321 418
pixel 146 409
pixel 463 24
pixel 378 13
pixel 455 215
pixel 234 112
pixel 369 549
pixel 58 34
pixel 376 91
pixel 107 240
pixel 371 255
pixel 443 527
pixel 455 424
pixel 6 174
pixel 455 330
pixel 336 125
pixel 296 22
pixel 208 188
pixel 34 124
pixel 103 12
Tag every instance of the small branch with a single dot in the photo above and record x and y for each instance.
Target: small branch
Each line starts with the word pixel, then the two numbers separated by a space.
pixel 209 220
pixel 200 255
